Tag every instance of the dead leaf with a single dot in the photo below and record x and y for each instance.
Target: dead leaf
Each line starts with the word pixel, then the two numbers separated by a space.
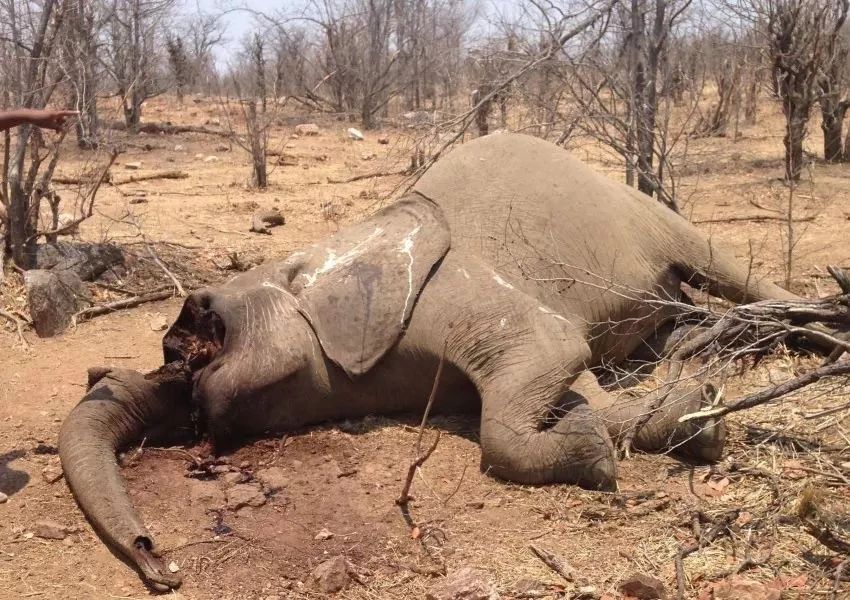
pixel 415 533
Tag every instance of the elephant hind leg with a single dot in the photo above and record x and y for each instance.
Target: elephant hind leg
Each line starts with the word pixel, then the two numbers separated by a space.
pixel 621 409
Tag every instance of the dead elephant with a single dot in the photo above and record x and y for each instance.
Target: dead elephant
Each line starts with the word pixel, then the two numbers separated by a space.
pixel 526 267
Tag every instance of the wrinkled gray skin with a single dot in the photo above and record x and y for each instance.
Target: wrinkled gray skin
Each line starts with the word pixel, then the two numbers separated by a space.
pixel 526 265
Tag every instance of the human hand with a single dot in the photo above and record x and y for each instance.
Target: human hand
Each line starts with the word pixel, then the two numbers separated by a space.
pixel 51 119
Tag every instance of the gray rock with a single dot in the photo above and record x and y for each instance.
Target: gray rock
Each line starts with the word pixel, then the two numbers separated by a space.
pixel 642 587
pixel 307 129
pixel 3 498
pixel 133 166
pixel 331 576
pixel 87 260
pixel 245 494
pixel 50 530
pixel 464 584
pixel 51 474
pixel 53 298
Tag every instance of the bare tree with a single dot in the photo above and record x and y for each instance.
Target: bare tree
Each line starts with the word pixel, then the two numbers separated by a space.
pixel 249 82
pixel 178 62
pixel 833 84
pixel 135 27
pixel 80 45
pixel 800 37
pixel 204 32
pixel 34 33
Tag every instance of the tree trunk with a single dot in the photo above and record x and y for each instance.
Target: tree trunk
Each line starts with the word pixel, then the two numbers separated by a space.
pixel 795 133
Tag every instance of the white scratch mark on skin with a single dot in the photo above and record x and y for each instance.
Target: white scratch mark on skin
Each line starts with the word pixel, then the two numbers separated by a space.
pixel 502 282
pixel 549 311
pixel 405 248
pixel 333 261
pixel 463 272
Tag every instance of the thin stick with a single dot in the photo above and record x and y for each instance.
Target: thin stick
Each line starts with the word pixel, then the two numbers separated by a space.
pixel 165 270
pixel 557 564
pixel 420 458
pixel 839 577
pixel 368 176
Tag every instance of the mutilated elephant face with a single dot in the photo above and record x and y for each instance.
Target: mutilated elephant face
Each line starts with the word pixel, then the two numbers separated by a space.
pixel 347 298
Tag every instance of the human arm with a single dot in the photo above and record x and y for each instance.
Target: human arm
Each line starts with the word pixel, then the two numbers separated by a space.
pixel 45 118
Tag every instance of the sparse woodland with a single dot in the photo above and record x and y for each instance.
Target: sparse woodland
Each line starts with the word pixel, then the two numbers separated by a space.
pixel 190 140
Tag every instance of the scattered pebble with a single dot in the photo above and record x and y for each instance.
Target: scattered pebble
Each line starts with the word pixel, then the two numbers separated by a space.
pixel 51 474
pixel 384 140
pixel 355 134
pixel 3 498
pixel 133 166
pixel 245 494
pixel 642 587
pixel 50 530
pixel 307 129
pixel 323 535
pixel 158 323
pixel 464 584
pixel 173 567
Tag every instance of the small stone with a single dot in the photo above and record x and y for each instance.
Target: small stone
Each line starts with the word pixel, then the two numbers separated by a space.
pixel 289 146
pixel 307 129
pixel 331 576
pixel 3 498
pixel 51 474
pixel 214 121
pixel 845 466
pixel 273 478
pixel 477 505
pixel 199 156
pixel 222 148
pixel 233 478
pixel 158 323
pixel 245 465
pixel 133 166
pixel 50 530
pixel 464 584
pixel 642 587
pixel 742 588
pixel 355 134
pixel 173 567
pixel 323 535
pixel 68 542
pixel 245 494
pixel 138 200
pixel 586 592
pixel 383 140
pixel 206 493
pixel 210 159
pixel 179 148
pixel 368 156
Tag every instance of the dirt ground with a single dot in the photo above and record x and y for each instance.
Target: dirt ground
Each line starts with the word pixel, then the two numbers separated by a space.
pixel 344 478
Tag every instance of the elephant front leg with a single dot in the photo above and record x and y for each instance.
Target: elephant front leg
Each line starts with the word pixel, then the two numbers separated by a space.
pixel 535 429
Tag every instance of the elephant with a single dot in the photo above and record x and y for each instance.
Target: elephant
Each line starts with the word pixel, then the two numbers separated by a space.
pixel 516 266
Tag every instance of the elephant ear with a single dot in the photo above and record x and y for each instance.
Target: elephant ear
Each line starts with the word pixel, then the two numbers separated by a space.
pixel 358 288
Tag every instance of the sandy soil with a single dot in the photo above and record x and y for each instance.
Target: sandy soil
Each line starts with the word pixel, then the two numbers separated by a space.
pixel 344 477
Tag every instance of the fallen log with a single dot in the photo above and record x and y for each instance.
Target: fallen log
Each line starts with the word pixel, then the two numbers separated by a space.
pixel 167 129
pixel 102 309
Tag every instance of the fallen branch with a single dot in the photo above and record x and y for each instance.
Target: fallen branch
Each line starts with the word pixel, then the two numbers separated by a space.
pixel 19 325
pixel 752 219
pixel 369 176
pixel 109 307
pixel 166 128
pixel 557 564
pixel 149 176
pixel 764 396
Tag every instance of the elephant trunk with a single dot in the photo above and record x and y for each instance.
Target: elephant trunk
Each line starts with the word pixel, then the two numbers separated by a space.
pixel 119 408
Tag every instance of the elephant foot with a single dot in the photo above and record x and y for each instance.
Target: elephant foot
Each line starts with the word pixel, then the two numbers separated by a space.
pixel 703 441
